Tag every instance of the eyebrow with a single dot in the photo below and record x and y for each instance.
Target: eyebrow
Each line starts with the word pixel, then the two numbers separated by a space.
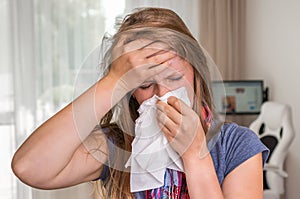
pixel 171 75
pixel 149 81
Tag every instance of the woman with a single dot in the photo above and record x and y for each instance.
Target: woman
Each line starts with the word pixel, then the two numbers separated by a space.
pixel 152 53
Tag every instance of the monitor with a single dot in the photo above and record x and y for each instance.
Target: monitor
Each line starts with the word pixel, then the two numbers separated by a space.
pixel 240 96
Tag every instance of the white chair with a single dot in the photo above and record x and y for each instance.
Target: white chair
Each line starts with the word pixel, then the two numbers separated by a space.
pixel 275 129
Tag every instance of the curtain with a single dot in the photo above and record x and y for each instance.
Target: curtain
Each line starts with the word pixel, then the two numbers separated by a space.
pixel 21 64
pixel 66 33
pixel 7 182
pixel 44 44
pixel 222 29
pixel 43 47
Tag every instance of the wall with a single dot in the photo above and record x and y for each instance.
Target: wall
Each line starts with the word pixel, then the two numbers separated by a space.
pixel 273 54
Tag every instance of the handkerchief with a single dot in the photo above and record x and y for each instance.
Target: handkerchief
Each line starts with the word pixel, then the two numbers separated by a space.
pixel 151 152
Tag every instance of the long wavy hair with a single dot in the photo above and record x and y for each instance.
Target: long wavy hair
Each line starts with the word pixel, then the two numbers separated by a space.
pixel 120 119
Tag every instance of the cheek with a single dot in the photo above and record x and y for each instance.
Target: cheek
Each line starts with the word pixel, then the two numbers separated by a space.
pixel 190 86
pixel 142 95
pixel 191 92
pixel 189 81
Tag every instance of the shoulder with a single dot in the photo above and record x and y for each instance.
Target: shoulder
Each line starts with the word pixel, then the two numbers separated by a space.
pixel 237 140
pixel 232 134
pixel 234 145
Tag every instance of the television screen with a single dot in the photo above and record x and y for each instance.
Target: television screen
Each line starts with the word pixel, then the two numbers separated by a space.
pixel 240 97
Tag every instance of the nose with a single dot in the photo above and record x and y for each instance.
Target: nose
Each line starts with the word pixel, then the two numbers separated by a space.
pixel 161 90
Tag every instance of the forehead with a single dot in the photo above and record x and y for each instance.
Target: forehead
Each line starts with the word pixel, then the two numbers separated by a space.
pixel 179 64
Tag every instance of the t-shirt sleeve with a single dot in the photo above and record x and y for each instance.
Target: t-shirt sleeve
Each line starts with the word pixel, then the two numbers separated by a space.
pixel 111 150
pixel 105 170
pixel 240 144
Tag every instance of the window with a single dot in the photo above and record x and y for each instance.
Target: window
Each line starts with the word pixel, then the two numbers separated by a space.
pixel 43 46
pixel 7 182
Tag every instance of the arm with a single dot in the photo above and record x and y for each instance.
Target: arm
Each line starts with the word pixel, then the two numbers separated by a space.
pixel 201 178
pixel 55 149
pixel 54 156
pixel 182 127
pixel 245 181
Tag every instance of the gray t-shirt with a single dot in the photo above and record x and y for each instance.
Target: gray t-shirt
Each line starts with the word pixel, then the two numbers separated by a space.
pixel 235 145
pixel 232 146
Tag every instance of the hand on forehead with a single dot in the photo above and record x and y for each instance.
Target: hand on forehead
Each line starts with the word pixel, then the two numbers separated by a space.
pixel 128 45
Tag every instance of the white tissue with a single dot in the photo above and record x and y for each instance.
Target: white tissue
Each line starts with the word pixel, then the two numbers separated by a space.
pixel 151 153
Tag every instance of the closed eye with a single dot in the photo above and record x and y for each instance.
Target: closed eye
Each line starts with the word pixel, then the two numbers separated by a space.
pixel 175 78
pixel 145 86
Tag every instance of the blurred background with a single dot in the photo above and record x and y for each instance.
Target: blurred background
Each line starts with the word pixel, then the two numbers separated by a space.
pixel 44 44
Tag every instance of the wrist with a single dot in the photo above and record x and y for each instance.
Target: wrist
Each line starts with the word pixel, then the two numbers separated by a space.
pixel 196 163
pixel 114 84
pixel 119 84
pixel 107 92
pixel 197 155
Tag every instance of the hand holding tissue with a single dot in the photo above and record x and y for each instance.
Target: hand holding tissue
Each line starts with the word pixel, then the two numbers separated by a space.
pixel 151 152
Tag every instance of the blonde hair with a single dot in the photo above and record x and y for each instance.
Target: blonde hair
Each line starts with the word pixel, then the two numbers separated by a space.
pixel 122 130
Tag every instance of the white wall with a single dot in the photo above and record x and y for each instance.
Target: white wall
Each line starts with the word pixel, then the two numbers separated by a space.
pixel 273 54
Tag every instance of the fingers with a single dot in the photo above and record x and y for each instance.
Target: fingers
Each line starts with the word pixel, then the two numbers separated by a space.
pixel 170 112
pixel 154 52
pixel 171 115
pixel 165 121
pixel 179 137
pixel 140 60
pixel 161 57
pixel 142 44
pixel 179 105
pixel 168 134
pixel 182 128
pixel 152 56
pixel 169 120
